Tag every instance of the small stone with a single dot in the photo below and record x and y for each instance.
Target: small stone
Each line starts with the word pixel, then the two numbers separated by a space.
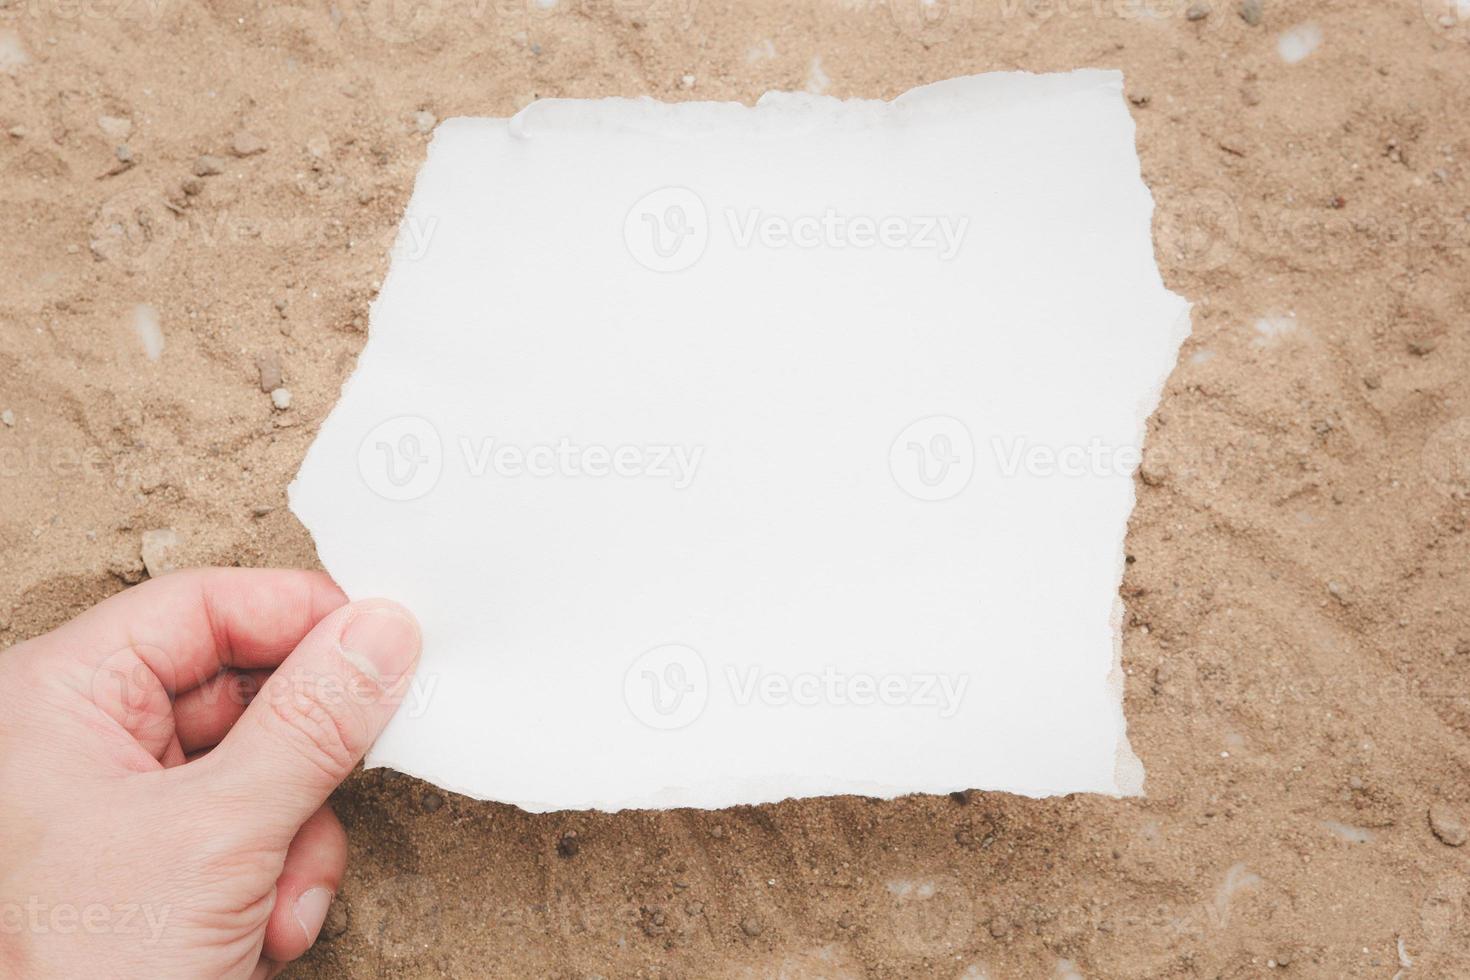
pixel 1197 11
pixel 116 128
pixel 568 847
pixel 17 132
pixel 1372 382
pixel 751 926
pixel 1423 346
pixel 1448 824
pixel 157 545
pixel 432 802
pixel 208 166
pixel 8 417
pixel 129 571
pixel 269 366
pixel 1252 11
pixel 261 510
pixel 1338 591
pixel 281 398
pixel 1153 471
pixel 717 831
pixel 123 152
pixel 339 918
pixel 999 927
pixel 193 187
pixel 694 908
pixel 246 144
pixel 1140 99
pixel 424 121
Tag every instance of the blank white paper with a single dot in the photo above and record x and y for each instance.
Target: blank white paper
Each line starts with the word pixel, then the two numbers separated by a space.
pixel 729 454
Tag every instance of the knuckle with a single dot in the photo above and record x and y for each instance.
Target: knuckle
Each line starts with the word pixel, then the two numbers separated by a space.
pixel 325 731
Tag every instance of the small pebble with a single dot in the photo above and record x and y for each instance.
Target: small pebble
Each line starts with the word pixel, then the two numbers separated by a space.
pixel 1251 11
pixel 432 802
pixel 424 121
pixel 751 926
pixel 123 152
pixel 694 908
pixel 1338 592
pixel 193 187
pixel 155 552
pixel 8 417
pixel 246 144
pixel 567 846
pixel 338 920
pixel 1153 470
pixel 1447 824
pixel 115 127
pixel 1198 11
pixel 208 166
pixel 260 510
pixel 281 398
pixel 17 132
pixel 269 366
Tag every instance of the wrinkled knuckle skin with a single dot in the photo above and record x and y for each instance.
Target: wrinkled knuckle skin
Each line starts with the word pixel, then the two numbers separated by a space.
pixel 326 735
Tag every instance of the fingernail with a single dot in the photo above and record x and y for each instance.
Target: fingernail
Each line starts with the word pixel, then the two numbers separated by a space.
pixel 382 641
pixel 311 911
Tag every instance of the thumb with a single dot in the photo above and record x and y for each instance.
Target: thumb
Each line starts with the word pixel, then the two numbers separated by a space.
pixel 316 716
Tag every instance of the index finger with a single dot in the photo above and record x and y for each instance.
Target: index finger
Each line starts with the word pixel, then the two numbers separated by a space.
pixel 188 626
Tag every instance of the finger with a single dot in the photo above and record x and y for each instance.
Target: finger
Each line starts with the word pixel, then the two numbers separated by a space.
pixel 316 715
pixel 309 880
pixel 185 627
pixel 204 715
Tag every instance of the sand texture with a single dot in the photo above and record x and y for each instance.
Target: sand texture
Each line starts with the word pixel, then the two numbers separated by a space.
pixel 1297 635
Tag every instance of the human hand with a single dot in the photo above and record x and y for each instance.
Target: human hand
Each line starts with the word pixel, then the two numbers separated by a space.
pixel 165 760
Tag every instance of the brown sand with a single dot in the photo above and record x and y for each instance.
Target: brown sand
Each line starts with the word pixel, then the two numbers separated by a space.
pixel 1297 642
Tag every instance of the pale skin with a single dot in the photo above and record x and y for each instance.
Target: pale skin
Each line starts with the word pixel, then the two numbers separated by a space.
pixel 165 762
